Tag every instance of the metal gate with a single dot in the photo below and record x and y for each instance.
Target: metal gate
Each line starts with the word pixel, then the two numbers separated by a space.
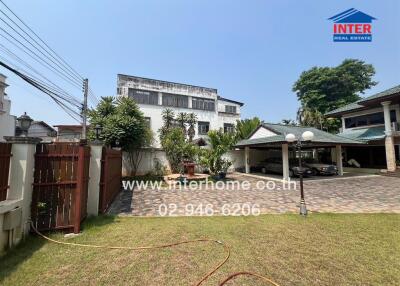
pixel 5 155
pixel 60 188
pixel 110 180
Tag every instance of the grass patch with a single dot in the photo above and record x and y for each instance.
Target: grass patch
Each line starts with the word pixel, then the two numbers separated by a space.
pixel 324 249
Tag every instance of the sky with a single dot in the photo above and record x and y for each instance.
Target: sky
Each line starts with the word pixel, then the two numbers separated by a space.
pixel 251 51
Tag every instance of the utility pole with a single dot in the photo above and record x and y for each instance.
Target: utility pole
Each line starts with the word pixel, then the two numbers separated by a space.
pixel 84 111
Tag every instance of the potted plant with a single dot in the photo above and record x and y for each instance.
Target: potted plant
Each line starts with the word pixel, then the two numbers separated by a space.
pixel 225 164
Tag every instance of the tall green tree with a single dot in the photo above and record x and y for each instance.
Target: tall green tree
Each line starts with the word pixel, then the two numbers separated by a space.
pixel 245 127
pixel 123 125
pixel 322 89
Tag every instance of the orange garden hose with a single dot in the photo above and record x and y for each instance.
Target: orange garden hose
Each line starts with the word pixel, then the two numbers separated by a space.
pixel 205 277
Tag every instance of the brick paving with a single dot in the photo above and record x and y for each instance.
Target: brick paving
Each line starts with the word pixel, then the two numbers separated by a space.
pixel 364 194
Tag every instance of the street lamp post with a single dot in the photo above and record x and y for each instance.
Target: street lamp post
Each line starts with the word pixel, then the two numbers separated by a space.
pixel 291 138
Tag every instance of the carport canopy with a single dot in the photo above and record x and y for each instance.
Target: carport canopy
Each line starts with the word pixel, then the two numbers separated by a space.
pixel 273 136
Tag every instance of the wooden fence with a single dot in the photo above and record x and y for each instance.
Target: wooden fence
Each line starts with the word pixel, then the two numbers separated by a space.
pixel 5 155
pixel 110 180
pixel 59 199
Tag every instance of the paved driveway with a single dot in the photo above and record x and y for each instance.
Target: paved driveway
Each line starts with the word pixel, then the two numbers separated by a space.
pixel 364 194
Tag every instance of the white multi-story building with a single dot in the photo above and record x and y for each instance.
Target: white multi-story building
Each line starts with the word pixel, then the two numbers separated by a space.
pixel 7 121
pixel 153 96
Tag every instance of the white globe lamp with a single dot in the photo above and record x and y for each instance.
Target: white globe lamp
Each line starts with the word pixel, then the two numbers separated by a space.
pixel 307 136
pixel 290 138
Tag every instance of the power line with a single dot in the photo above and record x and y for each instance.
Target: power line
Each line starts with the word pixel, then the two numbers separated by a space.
pixel 68 73
pixel 50 83
pixel 74 83
pixel 54 96
pixel 71 101
pixel 41 40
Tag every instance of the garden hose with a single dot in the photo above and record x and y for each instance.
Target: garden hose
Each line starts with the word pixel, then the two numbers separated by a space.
pixel 205 277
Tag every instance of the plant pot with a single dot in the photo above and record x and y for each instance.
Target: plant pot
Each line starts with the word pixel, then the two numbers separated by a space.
pixel 222 175
pixel 216 177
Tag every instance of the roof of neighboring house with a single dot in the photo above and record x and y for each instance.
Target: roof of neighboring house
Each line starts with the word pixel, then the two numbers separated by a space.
pixel 45 125
pixel 365 134
pixel 61 127
pixel 230 100
pixel 282 130
pixel 360 104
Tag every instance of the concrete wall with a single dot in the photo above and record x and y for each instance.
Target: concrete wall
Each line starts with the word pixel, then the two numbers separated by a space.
pixel 7 121
pixel 147 162
pixel 19 195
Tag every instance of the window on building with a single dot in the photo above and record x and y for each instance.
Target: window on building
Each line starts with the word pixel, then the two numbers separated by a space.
pixel 230 109
pixel 148 122
pixel 369 119
pixel 229 128
pixel 204 127
pixel 143 96
pixel 175 100
pixel 203 104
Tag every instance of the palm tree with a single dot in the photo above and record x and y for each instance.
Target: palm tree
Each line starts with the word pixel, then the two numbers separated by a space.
pixel 191 120
pixel 245 127
pixel 168 118
pixel 181 119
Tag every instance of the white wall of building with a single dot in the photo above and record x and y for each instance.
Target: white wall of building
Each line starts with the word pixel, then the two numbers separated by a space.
pixel 262 132
pixel 216 118
pixel 7 121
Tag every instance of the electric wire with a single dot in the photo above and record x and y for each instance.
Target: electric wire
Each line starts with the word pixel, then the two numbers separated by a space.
pixel 42 61
pixel 54 96
pixel 64 97
pixel 67 72
pixel 49 82
pixel 41 40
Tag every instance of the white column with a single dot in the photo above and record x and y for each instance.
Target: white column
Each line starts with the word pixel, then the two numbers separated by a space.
pixel 160 98
pixel 94 181
pixel 386 113
pixel 247 159
pixel 190 101
pixel 389 141
pixel 285 161
pixel 339 161
pixel 21 175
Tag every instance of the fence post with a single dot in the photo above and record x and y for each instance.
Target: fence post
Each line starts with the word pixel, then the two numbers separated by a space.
pixel 21 175
pixel 96 150
pixel 79 188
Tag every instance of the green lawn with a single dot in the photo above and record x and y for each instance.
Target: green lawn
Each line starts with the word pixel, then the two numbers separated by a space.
pixel 324 249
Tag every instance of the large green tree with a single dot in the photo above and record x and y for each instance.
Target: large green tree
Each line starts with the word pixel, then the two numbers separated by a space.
pixel 322 89
pixel 328 88
pixel 123 125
